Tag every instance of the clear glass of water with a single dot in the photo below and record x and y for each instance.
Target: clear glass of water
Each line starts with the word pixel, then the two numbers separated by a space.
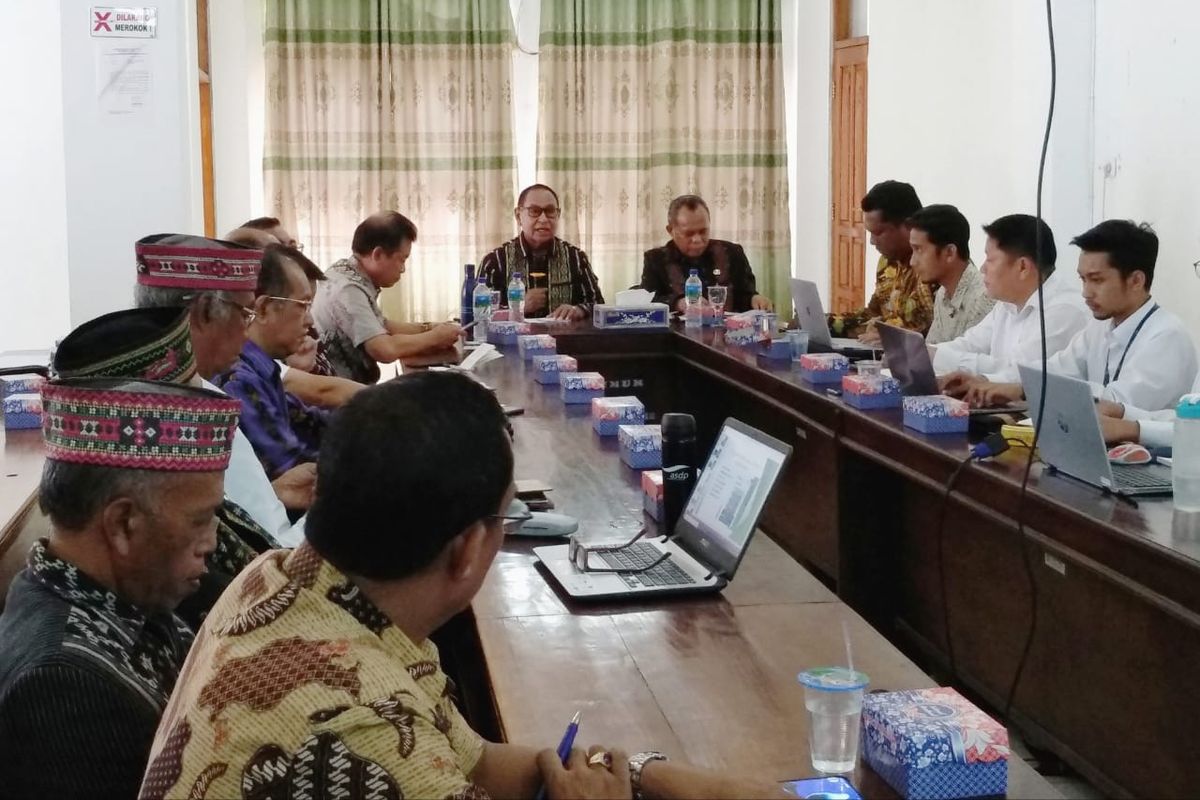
pixel 717 295
pixel 799 342
pixel 833 697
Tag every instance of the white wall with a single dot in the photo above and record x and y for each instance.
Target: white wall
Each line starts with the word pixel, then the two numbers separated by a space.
pixel 235 35
pixel 1147 129
pixel 34 300
pixel 126 176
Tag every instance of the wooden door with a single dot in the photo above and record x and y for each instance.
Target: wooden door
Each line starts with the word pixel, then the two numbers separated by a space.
pixel 849 137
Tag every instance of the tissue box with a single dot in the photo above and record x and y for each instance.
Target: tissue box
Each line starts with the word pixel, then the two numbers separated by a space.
pixel 536 344
pixel 640 445
pixel 21 384
pixel 871 391
pixel 546 369
pixel 22 411
pixel 824 367
pixel 506 333
pixel 609 413
pixel 652 493
pixel 742 336
pixel 932 744
pixel 777 349
pixel 580 387
pixel 936 413
pixel 649 315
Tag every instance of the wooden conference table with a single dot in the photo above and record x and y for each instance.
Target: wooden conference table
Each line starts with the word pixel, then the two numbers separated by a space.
pixel 1108 684
pixel 709 679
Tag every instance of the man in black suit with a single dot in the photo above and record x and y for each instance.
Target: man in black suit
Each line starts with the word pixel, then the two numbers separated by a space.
pixel 664 269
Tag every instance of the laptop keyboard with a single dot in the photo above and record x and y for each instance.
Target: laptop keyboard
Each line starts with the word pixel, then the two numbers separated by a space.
pixel 638 555
pixel 1139 477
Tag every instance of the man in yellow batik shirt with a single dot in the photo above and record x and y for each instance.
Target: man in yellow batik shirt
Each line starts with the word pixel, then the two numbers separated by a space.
pixel 900 298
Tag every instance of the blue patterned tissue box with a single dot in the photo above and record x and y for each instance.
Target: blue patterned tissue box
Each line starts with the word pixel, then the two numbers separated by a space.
pixel 871 391
pixel 824 367
pixel 652 493
pixel 580 387
pixel 651 315
pixel 936 413
pixel 536 344
pixel 546 369
pixel 610 413
pixel 22 411
pixel 21 384
pixel 506 333
pixel 742 336
pixel 641 446
pixel 933 744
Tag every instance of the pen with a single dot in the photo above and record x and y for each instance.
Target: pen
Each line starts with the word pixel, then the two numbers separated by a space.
pixel 564 747
pixel 469 325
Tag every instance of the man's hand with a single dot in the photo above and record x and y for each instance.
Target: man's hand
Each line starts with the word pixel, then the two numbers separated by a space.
pixel 304 359
pixel 536 302
pixel 761 303
pixel 871 334
pixel 583 780
pixel 988 394
pixel 958 383
pixel 681 304
pixel 444 334
pixel 294 488
pixel 1107 408
pixel 572 313
pixel 1120 430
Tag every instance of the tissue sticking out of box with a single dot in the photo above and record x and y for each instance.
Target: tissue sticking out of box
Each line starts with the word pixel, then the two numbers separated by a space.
pixel 632 298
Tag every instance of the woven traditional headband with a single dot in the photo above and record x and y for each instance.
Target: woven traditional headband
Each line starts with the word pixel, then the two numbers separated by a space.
pixel 103 423
pixel 141 343
pixel 207 265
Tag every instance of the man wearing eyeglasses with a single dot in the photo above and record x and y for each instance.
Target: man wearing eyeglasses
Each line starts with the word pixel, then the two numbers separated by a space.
pixel 718 262
pixel 284 433
pixel 565 286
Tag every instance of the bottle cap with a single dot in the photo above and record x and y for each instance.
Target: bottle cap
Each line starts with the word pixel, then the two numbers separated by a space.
pixel 694 272
pixel 678 425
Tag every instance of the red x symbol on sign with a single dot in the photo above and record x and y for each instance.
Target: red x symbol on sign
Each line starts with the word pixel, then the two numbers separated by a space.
pixel 102 21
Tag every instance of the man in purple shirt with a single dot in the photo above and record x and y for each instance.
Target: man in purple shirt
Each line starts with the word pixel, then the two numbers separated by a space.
pixel 284 431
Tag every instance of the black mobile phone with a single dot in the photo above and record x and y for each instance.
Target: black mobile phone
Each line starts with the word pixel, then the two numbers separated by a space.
pixel 512 411
pixel 835 392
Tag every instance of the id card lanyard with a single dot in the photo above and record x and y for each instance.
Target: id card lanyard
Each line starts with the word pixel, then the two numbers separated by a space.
pixel 1129 344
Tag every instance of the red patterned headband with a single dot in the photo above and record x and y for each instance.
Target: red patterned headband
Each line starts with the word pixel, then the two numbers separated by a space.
pixel 103 423
pixel 207 266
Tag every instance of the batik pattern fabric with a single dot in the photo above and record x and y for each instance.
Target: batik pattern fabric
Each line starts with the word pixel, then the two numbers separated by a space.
pixel 347 315
pixel 569 273
pixel 84 678
pixel 299 687
pixel 900 298
pixel 256 381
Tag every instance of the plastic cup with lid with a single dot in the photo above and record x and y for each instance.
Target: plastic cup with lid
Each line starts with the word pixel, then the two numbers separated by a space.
pixel 834 698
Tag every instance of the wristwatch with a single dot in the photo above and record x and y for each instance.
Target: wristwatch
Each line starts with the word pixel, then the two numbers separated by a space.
pixel 636 763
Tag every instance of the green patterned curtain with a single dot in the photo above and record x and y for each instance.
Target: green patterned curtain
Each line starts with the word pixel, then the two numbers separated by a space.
pixel 642 101
pixel 392 104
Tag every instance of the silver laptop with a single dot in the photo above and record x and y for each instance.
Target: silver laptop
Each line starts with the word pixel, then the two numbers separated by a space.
pixel 711 536
pixel 1071 440
pixel 908 360
pixel 810 313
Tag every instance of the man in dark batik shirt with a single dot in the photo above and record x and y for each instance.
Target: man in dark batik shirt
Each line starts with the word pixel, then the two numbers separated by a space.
pixel 89 646
pixel 664 269
pixel 284 432
pixel 558 276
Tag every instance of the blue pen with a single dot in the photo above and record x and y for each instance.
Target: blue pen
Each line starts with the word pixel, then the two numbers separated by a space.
pixel 564 748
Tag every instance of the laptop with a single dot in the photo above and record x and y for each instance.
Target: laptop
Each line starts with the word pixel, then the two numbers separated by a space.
pixel 1072 443
pixel 810 314
pixel 908 360
pixel 711 536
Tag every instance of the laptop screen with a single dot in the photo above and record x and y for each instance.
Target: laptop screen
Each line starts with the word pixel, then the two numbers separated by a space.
pixel 729 496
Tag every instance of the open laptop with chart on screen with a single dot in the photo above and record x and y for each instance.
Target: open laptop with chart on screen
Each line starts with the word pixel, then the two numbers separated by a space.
pixel 711 536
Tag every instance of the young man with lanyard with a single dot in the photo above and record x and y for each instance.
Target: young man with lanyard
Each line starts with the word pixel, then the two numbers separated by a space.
pixel 1134 352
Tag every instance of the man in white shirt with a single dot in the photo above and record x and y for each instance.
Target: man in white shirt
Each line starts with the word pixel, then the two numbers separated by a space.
pixel 1134 352
pixel 1011 332
pixel 216 281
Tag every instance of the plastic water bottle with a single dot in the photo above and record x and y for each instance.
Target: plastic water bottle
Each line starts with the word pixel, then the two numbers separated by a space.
pixel 1185 454
pixel 482 308
pixel 693 290
pixel 468 286
pixel 516 298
